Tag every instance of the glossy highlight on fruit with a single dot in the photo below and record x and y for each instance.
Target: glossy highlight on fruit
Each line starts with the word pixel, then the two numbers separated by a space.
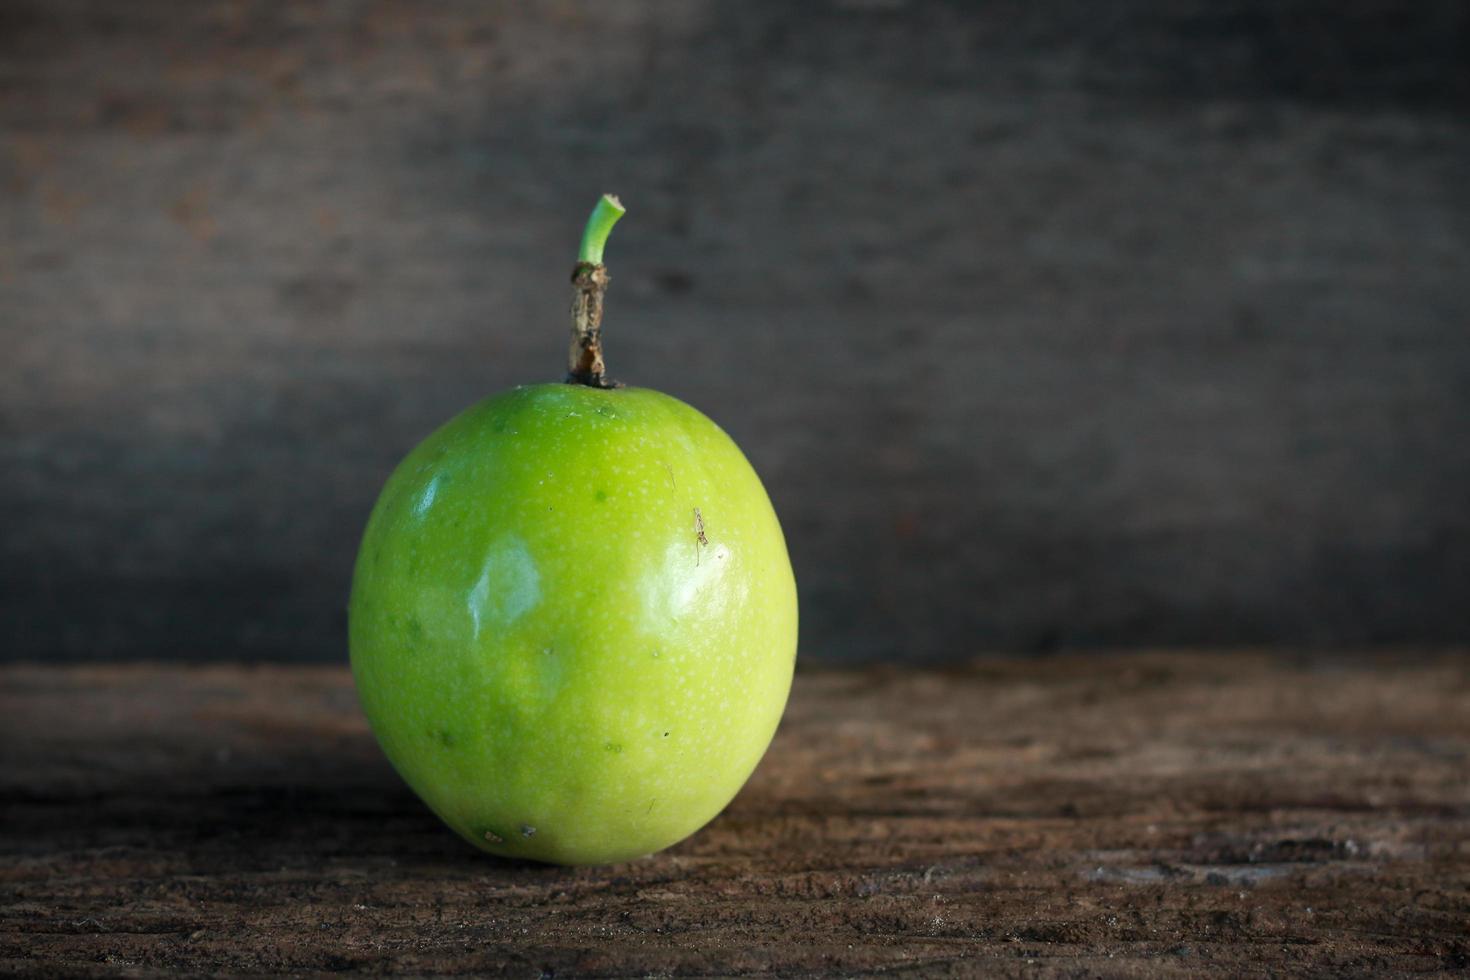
pixel 573 622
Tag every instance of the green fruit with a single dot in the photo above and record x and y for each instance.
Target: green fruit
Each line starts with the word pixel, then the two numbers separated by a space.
pixel 573 622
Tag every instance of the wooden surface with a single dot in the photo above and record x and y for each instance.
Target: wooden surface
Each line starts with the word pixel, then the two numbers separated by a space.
pixel 1046 323
pixel 1151 815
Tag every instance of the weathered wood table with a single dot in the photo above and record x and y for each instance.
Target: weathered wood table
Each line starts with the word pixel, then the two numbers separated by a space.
pixel 1227 815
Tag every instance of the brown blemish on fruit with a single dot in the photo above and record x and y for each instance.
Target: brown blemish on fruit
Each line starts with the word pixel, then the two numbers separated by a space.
pixel 493 837
pixel 700 541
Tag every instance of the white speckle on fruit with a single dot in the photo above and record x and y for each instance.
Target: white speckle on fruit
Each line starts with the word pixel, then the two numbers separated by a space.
pixel 528 831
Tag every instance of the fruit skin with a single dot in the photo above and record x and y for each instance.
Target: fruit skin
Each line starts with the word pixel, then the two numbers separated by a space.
pixel 545 648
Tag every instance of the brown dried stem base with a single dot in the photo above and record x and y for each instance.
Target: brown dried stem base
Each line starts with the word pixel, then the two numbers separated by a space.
pixel 589 287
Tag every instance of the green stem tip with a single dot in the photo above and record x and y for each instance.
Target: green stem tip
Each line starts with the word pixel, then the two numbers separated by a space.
pixel 609 209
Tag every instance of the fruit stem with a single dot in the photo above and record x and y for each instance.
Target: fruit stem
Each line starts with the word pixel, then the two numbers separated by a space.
pixel 589 286
pixel 609 209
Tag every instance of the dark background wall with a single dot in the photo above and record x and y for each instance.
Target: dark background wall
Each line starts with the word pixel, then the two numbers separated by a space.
pixel 1047 323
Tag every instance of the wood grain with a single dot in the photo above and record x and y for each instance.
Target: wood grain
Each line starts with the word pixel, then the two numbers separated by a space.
pixel 1143 815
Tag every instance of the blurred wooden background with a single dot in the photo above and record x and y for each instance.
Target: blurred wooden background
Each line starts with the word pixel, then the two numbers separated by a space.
pixel 1048 324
